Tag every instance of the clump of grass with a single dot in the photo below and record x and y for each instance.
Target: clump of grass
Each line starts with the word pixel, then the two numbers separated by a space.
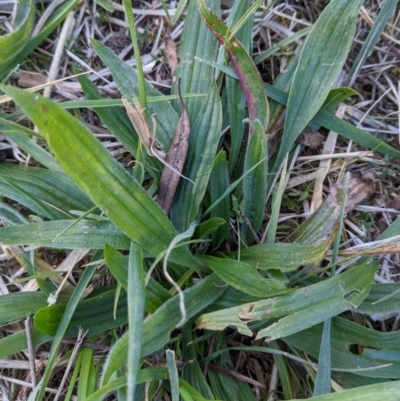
pixel 257 278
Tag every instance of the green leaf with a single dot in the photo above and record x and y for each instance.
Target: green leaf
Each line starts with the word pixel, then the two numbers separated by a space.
pixel 17 342
pixel 63 326
pixel 173 374
pixel 321 60
pixel 48 193
pixel 54 22
pixel 12 43
pixel 282 256
pixel 383 298
pixel 90 234
pixel 302 308
pixel 11 216
pixel 243 277
pixel 387 391
pixel 157 328
pixel 254 183
pixel 17 306
pixel 203 143
pixel 246 71
pixel 328 120
pixel 93 169
pixel 376 349
pixel 197 43
pixel 145 375
pixel 136 301
pixel 219 183
pixel 94 314
pixel 323 379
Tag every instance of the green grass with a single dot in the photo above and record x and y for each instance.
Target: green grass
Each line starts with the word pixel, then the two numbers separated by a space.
pixel 239 293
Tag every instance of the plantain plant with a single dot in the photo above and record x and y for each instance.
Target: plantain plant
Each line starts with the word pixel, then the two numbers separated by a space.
pixel 188 275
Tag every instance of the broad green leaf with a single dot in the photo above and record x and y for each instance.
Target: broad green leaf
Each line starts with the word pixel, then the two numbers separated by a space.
pixel 282 256
pixel 383 298
pixel 189 393
pixel 118 265
pixel 246 71
pixel 337 96
pixel 191 371
pixel 203 143
pixel 12 43
pixel 136 301
pixel 229 388
pixel 375 348
pixel 90 234
pixel 302 308
pixel 63 326
pixel 235 96
pixel 157 328
pixel 321 60
pixel 11 216
pixel 95 314
pixel 17 306
pixel 388 391
pixel 17 342
pixel 197 44
pixel 243 277
pixel 85 384
pixel 219 183
pixel 93 169
pixel 33 149
pixel 254 183
pixel 48 193
pixel 208 227
pixel 323 379
pixel 346 130
pixel 145 375
pixel 173 374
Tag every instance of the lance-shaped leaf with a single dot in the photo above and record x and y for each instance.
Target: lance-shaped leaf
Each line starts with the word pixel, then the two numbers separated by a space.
pixel 106 182
pixel 321 60
pixel 12 43
pixel 48 193
pixel 245 69
pixel 254 184
pixel 282 256
pixel 157 328
pixel 302 308
pixel 243 277
pixel 376 348
pixel 65 234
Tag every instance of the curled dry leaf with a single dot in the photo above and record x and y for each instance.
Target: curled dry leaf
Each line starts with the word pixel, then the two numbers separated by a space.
pixel 175 161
